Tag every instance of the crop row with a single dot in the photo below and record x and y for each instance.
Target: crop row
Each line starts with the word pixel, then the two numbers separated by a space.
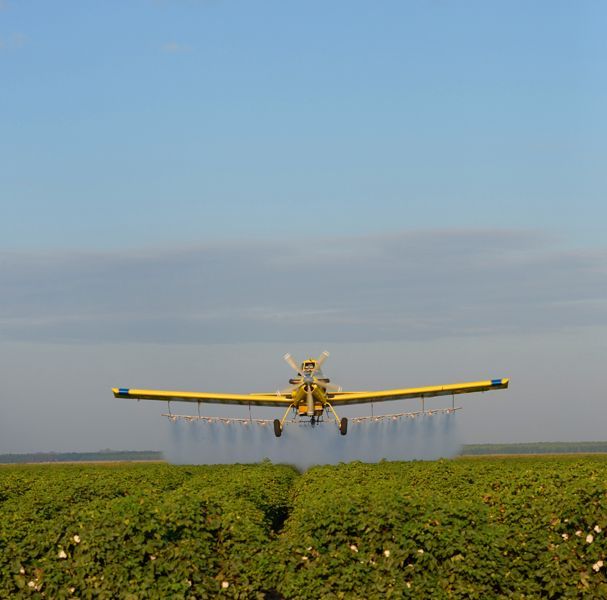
pixel 137 532
pixel 473 528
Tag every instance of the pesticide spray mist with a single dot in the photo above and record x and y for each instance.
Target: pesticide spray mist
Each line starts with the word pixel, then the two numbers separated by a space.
pixel 425 437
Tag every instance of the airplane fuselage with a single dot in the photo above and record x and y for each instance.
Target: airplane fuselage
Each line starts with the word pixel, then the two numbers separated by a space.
pixel 310 399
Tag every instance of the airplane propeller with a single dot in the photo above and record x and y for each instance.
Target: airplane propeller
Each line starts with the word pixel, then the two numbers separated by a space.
pixel 329 387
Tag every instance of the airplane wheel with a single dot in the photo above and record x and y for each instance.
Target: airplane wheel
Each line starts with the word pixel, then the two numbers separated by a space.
pixel 343 426
pixel 277 428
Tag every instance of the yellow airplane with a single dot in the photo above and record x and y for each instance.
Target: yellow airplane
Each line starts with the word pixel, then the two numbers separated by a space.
pixel 312 395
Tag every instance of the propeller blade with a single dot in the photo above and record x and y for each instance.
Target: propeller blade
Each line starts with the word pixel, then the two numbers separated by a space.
pixel 310 401
pixel 291 362
pixel 330 387
pixel 321 359
pixel 287 391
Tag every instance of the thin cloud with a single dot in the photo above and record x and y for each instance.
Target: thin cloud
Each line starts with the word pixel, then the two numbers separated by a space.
pixel 175 48
pixel 18 40
pixel 15 41
pixel 413 286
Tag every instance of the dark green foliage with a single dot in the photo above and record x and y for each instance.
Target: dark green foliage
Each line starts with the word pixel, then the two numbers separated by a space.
pixel 466 528
pixel 138 531
pixel 478 528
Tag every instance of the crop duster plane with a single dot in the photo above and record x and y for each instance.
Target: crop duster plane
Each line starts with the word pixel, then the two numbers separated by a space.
pixel 311 396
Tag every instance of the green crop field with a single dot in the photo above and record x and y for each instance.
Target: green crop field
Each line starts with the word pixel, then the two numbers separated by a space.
pixel 465 528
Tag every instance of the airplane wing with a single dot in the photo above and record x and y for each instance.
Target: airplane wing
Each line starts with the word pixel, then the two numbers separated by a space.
pixel 166 395
pixel 340 399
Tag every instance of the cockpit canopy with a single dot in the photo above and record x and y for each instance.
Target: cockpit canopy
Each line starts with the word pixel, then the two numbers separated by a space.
pixel 308 365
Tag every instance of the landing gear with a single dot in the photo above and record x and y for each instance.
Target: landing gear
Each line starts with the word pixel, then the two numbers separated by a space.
pixel 342 424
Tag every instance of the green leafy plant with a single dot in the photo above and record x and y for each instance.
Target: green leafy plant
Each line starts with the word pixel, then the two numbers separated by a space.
pixel 465 528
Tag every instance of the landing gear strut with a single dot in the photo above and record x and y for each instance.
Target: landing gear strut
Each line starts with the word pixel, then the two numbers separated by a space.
pixel 278 425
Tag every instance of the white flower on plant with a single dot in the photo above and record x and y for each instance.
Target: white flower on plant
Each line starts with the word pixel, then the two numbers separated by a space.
pixel 353 548
pixel 589 538
pixel 22 571
pixel 565 536
pixel 387 553
pixel 304 558
pixel 408 584
pixel 62 553
pixel 153 557
pixel 76 539
pixel 597 565
pixel 420 551
pixel 597 529
pixel 31 584
pixel 578 533
pixel 225 585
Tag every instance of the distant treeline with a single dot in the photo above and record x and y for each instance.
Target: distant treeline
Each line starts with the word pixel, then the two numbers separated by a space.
pixel 535 448
pixel 102 455
pixel 467 450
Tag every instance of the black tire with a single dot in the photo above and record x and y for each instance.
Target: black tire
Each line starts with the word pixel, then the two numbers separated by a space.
pixel 343 426
pixel 277 428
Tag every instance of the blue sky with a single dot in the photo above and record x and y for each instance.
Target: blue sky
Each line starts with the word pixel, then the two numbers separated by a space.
pixel 186 180
pixel 138 123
